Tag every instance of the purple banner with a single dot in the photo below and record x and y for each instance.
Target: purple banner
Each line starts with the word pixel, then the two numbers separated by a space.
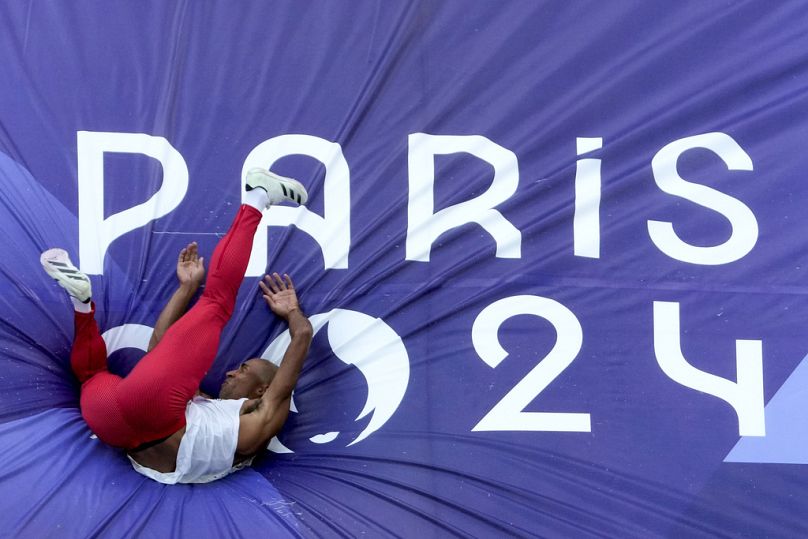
pixel 553 256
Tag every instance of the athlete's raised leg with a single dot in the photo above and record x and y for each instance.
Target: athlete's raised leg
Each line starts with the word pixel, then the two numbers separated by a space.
pixel 88 357
pixel 154 395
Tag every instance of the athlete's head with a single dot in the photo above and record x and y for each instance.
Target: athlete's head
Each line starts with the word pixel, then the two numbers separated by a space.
pixel 249 380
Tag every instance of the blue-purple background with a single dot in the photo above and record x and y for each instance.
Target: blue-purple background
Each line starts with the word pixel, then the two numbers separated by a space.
pixel 217 78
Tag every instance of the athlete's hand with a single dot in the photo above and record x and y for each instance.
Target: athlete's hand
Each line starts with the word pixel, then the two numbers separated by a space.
pixel 279 294
pixel 190 267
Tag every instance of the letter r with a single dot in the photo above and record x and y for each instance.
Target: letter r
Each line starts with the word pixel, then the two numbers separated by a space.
pixel 424 226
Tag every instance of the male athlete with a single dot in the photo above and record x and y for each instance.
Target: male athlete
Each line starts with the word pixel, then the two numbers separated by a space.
pixel 155 413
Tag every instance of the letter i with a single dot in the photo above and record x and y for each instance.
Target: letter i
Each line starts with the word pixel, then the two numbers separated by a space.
pixel 586 224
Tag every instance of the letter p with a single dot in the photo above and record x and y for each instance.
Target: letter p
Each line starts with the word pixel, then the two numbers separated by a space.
pixel 96 233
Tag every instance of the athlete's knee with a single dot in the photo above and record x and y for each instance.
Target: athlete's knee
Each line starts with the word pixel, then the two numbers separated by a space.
pixel 219 306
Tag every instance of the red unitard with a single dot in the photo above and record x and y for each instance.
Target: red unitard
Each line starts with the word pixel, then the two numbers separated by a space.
pixel 149 403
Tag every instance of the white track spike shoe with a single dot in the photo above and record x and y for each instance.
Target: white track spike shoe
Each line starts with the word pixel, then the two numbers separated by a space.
pixel 57 264
pixel 277 187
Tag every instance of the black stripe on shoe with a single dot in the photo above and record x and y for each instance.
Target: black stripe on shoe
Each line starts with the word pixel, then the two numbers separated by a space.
pixel 284 190
pixel 298 198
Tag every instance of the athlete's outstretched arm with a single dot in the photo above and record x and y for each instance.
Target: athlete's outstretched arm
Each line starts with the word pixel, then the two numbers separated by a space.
pixel 281 297
pixel 190 274
pixel 259 426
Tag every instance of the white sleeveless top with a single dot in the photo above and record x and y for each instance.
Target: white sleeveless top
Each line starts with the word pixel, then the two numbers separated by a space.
pixel 207 449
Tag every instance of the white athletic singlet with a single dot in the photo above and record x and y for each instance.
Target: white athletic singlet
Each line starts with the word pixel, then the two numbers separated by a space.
pixel 207 449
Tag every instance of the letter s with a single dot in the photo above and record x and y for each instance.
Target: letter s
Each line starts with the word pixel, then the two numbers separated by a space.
pixel 744 225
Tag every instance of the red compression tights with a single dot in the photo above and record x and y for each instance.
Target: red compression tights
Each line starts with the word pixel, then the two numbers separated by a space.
pixel 149 403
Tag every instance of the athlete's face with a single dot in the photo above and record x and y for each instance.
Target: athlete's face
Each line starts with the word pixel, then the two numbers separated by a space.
pixel 249 380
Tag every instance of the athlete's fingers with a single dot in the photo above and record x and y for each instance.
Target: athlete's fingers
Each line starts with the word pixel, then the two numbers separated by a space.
pixel 281 284
pixel 289 283
pixel 264 289
pixel 271 283
pixel 201 262
pixel 181 257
